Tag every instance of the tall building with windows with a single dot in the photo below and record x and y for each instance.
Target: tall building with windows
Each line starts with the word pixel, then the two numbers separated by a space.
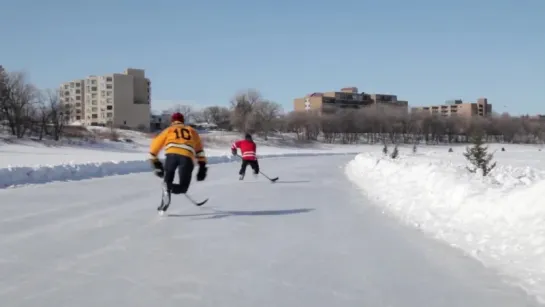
pixel 457 108
pixel 118 99
pixel 347 98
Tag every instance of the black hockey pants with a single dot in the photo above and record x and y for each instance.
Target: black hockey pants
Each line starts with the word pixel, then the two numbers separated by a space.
pixel 253 164
pixel 184 165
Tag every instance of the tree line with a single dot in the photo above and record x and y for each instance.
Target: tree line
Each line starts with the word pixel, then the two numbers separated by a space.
pixel 26 110
pixel 250 112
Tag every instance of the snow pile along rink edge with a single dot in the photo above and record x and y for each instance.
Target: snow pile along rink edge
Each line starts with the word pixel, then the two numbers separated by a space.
pixel 499 220
pixel 24 175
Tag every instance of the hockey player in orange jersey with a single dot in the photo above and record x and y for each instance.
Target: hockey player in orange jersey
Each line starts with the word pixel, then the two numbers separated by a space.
pixel 182 145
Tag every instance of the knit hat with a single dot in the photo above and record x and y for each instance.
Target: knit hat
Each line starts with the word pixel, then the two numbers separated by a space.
pixel 177 117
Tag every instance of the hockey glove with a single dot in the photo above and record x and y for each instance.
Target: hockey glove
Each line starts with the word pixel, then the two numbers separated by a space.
pixel 157 167
pixel 234 152
pixel 201 174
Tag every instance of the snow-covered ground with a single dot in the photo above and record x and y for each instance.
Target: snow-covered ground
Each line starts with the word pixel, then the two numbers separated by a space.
pixel 499 220
pixel 34 153
pixel 30 162
pixel 310 239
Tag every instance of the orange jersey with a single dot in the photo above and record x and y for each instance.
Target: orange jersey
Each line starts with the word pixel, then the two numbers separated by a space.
pixel 179 139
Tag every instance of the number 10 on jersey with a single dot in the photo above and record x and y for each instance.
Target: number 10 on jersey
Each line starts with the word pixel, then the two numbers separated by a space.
pixel 182 133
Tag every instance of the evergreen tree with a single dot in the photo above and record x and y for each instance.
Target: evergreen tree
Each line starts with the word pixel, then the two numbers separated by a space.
pixel 478 155
pixel 395 153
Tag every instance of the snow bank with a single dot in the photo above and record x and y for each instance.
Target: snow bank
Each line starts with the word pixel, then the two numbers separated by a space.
pixel 23 175
pixel 500 220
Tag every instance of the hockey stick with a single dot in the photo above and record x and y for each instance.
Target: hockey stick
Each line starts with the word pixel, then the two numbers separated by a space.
pixel 163 207
pixel 271 179
pixel 196 203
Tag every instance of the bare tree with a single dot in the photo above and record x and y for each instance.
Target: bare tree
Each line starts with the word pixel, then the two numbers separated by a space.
pixel 51 115
pixel 263 118
pixel 113 134
pixel 17 104
pixel 187 110
pixel 242 106
pixel 378 125
pixel 3 95
pixel 220 116
pixel 42 116
pixel 306 125
pixel 58 113
pixel 198 116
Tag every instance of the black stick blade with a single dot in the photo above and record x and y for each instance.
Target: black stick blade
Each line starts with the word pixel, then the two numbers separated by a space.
pixel 201 203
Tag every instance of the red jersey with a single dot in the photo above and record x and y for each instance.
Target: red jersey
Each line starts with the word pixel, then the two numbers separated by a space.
pixel 247 149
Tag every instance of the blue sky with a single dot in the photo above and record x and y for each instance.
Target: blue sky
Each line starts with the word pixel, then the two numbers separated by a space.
pixel 203 52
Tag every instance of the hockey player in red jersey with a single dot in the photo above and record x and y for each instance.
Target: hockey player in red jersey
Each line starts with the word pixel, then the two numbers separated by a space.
pixel 248 154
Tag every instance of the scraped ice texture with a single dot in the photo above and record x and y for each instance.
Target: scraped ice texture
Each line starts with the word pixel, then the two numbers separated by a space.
pixel 311 239
pixel 22 175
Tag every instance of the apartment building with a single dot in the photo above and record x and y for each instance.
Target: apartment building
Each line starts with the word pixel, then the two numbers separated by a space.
pixel 118 99
pixel 457 108
pixel 347 98
pixel 537 117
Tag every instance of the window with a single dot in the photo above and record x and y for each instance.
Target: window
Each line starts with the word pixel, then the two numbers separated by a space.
pixel 78 84
pixel 94 109
pixel 109 79
pixel 109 86
pixel 78 91
pixel 78 97
pixel 109 107
pixel 94 116
pixel 94 95
pixel 109 114
pixel 94 89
